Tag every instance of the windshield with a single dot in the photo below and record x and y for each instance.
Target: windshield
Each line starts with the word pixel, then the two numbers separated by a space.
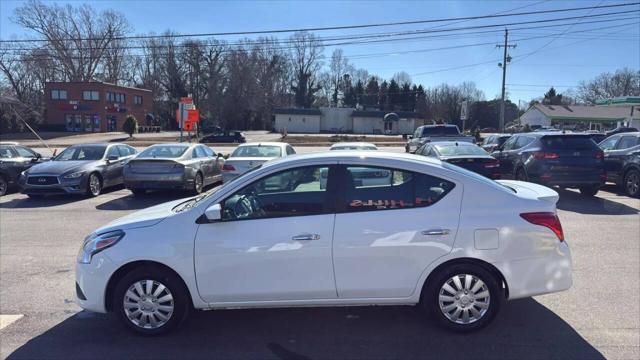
pixel 478 177
pixel 83 152
pixel 354 147
pixel 257 151
pixel 440 131
pixel 163 151
pixel 456 150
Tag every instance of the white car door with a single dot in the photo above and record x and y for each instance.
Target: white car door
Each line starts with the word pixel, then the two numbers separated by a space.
pixel 273 242
pixel 386 235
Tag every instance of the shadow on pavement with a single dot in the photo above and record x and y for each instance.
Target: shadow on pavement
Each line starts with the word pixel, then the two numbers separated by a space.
pixel 597 205
pixel 136 202
pixel 524 330
pixel 51 200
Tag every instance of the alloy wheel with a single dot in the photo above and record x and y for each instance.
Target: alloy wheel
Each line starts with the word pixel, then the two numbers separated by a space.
pixel 464 299
pixel 632 183
pixel 94 185
pixel 198 183
pixel 148 304
pixel 3 186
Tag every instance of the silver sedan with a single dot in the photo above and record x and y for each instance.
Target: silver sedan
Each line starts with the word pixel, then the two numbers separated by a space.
pixel 178 166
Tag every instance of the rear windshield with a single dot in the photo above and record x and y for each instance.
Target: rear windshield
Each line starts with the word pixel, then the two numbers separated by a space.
pixel 257 151
pixel 453 150
pixel 440 131
pixel 560 142
pixel 353 147
pixel 163 151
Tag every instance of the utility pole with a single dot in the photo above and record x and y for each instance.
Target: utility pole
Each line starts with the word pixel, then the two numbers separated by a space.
pixel 505 60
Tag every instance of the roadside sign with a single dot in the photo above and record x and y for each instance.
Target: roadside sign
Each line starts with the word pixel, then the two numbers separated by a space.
pixel 463 111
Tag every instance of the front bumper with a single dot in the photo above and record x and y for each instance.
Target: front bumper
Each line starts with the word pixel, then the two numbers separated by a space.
pixel 540 275
pixel 91 283
pixel 64 186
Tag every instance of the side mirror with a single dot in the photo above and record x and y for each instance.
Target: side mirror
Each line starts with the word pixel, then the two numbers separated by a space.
pixel 410 137
pixel 213 212
pixel 111 158
pixel 38 156
pixel 220 155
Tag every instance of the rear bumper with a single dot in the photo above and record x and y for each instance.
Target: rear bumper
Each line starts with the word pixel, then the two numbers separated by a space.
pixel 157 181
pixel 540 275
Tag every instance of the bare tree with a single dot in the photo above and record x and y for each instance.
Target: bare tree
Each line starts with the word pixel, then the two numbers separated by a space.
pixel 339 69
pixel 306 59
pixel 624 82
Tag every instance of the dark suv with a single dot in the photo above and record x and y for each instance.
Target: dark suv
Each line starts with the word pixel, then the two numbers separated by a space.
pixel 14 159
pixel 554 158
pixel 621 152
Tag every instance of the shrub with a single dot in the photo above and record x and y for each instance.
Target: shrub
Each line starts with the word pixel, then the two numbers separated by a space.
pixel 130 125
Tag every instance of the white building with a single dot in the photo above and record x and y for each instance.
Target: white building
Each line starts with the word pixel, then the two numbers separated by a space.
pixel 346 120
pixel 582 116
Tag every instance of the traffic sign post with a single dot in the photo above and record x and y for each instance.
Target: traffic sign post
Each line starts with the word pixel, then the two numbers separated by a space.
pixel 464 114
pixel 187 115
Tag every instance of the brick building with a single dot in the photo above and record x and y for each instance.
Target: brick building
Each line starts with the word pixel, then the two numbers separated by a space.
pixel 93 106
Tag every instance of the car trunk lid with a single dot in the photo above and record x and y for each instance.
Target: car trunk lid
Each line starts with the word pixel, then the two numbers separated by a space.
pixel 529 190
pixel 154 166
pixel 244 164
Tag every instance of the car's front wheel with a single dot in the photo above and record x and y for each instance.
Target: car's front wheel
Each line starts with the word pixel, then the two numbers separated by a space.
pixel 198 184
pixel 94 185
pixel 151 300
pixel 632 183
pixel 463 297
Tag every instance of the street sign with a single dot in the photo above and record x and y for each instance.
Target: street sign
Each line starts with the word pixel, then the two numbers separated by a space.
pixel 463 111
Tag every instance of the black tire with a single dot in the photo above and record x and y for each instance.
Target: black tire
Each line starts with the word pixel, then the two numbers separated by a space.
pixel 521 175
pixel 173 284
pixel 591 190
pixel 139 192
pixel 4 185
pixel 631 183
pixel 198 184
pixel 93 191
pixel 431 298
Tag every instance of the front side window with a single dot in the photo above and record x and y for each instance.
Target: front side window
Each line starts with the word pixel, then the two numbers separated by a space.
pixel 374 188
pixel 126 150
pixel 208 151
pixel 628 142
pixel 523 141
pixel 24 152
pixel 82 152
pixel 609 143
pixel 510 144
pixel 113 151
pixel 198 152
pixel 296 192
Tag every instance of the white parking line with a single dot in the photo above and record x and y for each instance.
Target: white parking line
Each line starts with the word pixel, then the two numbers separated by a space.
pixel 6 320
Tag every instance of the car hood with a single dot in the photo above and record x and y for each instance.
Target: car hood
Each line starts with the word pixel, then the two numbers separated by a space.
pixel 142 218
pixel 59 167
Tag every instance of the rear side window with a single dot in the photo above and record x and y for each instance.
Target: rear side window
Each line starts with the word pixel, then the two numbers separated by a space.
pixel 559 142
pixel 628 142
pixel 375 188
pixel 6 152
pixel 24 152
pixel 290 150
pixel 523 141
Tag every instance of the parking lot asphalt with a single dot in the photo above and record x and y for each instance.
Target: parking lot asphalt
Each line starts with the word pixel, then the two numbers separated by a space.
pixel 599 317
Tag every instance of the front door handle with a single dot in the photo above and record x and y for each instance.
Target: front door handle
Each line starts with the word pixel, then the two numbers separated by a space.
pixel 436 232
pixel 306 237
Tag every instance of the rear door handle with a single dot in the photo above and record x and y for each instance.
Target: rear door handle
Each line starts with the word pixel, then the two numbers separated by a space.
pixel 436 232
pixel 306 237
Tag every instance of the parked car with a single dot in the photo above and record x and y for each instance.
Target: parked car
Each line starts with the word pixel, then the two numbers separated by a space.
pixel 466 155
pixel 620 130
pixel 631 174
pixel 249 155
pixel 224 137
pixel 180 166
pixel 620 150
pixel 248 244
pixel 84 169
pixel 433 133
pixel 353 146
pixel 493 141
pixel 553 158
pixel 14 159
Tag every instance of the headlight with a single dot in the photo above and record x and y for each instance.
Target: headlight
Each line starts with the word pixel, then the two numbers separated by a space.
pixel 95 243
pixel 74 175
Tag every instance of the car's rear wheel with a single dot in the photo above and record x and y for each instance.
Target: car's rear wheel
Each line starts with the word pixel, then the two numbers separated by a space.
pixel 94 185
pixel 632 183
pixel 463 297
pixel 198 183
pixel 151 300
pixel 4 185
pixel 590 190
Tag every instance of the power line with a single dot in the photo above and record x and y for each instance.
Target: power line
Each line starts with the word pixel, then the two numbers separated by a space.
pixel 345 27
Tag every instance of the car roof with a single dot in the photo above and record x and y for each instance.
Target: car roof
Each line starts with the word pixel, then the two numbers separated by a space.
pixel 266 143
pixel 553 133
pixel 355 154
pixel 95 144
pixel 355 143
pixel 634 133
pixel 452 143
pixel 176 144
pixel 8 143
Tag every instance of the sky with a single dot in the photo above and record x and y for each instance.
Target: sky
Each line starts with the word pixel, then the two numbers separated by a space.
pixel 560 56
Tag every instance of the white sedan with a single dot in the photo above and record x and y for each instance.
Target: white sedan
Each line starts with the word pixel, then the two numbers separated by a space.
pixel 435 234
pixel 353 146
pixel 249 155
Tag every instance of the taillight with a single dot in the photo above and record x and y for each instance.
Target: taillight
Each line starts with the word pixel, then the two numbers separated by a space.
pixel 599 155
pixel 228 167
pixel 541 155
pixel 547 219
pixel 492 164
